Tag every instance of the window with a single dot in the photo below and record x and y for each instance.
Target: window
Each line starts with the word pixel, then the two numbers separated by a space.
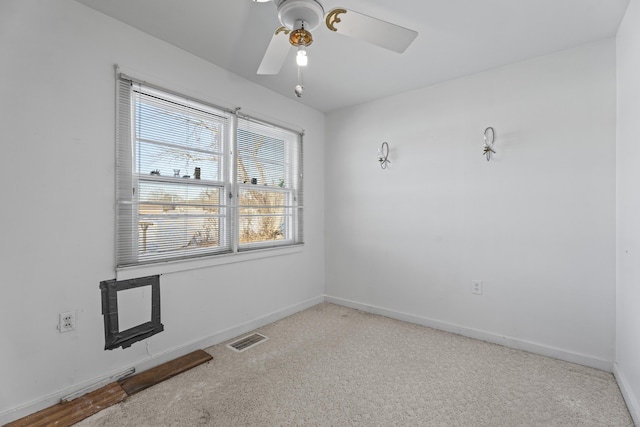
pixel 268 199
pixel 194 180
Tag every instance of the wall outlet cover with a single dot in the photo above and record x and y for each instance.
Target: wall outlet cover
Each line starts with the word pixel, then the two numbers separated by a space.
pixel 476 287
pixel 67 321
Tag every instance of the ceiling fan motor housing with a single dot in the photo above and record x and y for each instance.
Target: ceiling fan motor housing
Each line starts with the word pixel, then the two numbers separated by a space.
pixel 292 12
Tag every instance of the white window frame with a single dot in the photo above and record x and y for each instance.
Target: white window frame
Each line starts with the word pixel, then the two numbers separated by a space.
pixel 293 175
pixel 232 251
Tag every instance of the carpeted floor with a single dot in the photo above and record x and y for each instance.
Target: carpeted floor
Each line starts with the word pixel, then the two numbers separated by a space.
pixel 334 366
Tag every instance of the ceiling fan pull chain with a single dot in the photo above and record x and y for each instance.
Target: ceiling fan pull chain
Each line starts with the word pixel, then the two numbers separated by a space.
pixel 299 86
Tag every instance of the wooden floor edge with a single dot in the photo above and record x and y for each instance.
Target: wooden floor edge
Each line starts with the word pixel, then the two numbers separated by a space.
pixel 153 376
pixel 69 413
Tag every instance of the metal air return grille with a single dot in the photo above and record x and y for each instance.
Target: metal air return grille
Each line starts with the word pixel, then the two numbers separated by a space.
pixel 247 342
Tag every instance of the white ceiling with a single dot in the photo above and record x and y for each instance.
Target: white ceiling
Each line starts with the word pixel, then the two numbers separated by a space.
pixel 456 38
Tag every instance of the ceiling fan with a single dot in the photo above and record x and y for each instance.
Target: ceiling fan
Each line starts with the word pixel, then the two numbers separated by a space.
pixel 300 17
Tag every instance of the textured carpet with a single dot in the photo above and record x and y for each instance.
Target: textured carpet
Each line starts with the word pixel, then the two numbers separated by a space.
pixel 334 366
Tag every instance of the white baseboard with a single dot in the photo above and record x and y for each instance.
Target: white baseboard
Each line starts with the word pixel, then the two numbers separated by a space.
pixel 515 343
pixel 9 415
pixel 629 397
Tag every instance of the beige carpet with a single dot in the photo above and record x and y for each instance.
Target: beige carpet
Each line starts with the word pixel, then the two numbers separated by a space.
pixel 334 366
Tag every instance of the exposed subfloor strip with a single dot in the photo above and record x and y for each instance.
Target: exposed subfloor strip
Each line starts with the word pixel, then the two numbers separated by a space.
pixel 69 413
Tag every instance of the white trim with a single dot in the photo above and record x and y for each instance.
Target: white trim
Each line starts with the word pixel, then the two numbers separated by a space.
pixel 633 405
pixel 510 342
pixel 125 273
pixel 13 414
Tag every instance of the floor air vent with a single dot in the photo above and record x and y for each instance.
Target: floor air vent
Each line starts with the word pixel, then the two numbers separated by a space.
pixel 247 342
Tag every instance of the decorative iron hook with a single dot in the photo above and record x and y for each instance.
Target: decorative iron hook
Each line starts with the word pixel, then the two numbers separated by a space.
pixel 489 136
pixel 383 154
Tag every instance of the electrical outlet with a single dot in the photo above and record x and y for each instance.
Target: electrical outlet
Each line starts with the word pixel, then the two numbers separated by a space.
pixel 476 287
pixel 67 321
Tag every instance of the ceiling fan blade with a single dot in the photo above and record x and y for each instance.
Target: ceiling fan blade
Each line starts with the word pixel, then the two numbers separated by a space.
pixel 276 52
pixel 372 30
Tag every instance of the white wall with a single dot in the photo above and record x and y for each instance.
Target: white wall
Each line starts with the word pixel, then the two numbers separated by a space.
pixel 627 366
pixel 57 103
pixel 536 224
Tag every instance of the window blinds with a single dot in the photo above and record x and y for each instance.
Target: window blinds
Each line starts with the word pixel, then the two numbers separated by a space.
pixel 183 190
pixel 269 177
pixel 171 191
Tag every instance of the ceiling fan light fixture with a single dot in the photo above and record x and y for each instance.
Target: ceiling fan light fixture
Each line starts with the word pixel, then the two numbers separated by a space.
pixel 301 58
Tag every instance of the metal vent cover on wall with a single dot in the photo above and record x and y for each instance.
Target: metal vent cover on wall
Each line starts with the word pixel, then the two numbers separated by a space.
pixel 247 342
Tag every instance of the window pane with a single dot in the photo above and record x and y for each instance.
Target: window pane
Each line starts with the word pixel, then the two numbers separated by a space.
pixel 179 198
pixel 257 228
pixel 252 170
pixel 174 140
pixel 254 201
pixel 260 146
pixel 171 123
pixel 177 235
pixel 261 159
pixel 176 218
pixel 264 215
pixel 172 161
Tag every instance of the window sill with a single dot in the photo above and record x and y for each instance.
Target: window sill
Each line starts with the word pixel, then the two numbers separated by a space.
pixel 125 273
